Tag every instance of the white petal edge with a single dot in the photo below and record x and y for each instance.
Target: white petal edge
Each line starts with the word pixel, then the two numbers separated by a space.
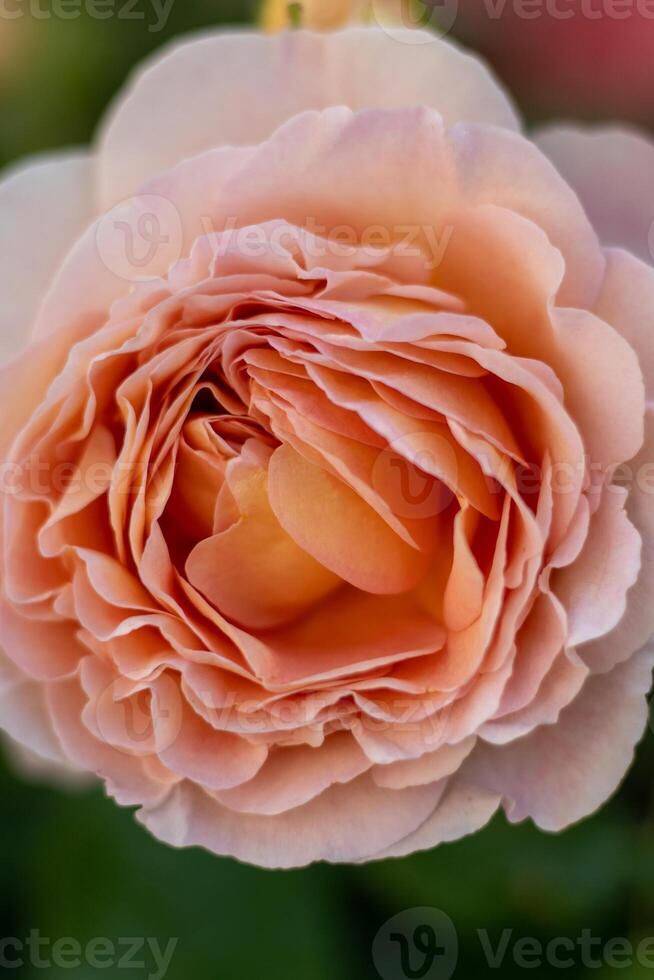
pixel 612 171
pixel 25 718
pixel 45 204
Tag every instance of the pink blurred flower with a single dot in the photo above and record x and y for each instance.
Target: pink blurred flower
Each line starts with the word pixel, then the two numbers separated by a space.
pixel 590 58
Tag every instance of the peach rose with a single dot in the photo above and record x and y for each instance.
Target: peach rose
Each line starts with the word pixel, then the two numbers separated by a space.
pixel 327 497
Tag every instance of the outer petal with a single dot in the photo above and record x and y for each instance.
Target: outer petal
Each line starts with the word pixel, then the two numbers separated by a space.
pixel 349 822
pixel 563 772
pixel 238 88
pixel 594 589
pixel 612 171
pixel 44 207
pixel 117 251
pixel 322 169
pixel 124 774
pixel 626 301
pixel 24 714
pixel 463 810
pixel 637 625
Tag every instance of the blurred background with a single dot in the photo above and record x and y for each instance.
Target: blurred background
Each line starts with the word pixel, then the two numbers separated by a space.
pixel 76 865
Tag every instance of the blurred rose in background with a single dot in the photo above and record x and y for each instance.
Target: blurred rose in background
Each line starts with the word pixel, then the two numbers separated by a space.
pixel 571 58
pixel 560 58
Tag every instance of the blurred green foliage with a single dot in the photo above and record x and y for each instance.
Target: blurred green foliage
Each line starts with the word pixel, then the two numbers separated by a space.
pixel 75 864
pixel 59 76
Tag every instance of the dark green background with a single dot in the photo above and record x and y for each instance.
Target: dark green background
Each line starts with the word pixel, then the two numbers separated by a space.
pixel 77 865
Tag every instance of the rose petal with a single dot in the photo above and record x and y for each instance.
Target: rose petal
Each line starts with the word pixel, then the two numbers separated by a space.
pixel 463 810
pixel 562 773
pixel 44 206
pixel 270 79
pixel 626 301
pixel 253 571
pixel 24 714
pixel 594 590
pixel 335 826
pixel 326 518
pixel 612 171
pixel 295 775
pixel 637 625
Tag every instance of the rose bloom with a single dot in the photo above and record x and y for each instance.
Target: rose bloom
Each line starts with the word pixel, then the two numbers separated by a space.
pixel 327 520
